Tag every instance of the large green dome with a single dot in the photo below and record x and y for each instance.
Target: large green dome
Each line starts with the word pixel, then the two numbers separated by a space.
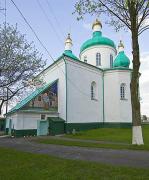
pixel 97 39
pixel 121 60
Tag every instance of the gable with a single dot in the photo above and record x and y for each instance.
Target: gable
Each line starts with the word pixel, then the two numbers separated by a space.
pixel 32 96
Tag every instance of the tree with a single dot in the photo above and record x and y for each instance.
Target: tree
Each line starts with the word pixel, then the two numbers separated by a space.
pixel 131 15
pixel 144 118
pixel 19 63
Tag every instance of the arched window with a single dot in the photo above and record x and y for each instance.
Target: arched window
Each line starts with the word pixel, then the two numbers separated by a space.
pixel 98 59
pixel 111 61
pixel 93 90
pixel 85 59
pixel 123 91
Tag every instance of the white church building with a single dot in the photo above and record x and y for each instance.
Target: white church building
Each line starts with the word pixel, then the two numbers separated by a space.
pixel 88 92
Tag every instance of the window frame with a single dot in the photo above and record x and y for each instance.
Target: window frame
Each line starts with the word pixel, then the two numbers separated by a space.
pixel 98 59
pixel 123 91
pixel 43 117
pixel 93 91
pixel 85 59
pixel 111 61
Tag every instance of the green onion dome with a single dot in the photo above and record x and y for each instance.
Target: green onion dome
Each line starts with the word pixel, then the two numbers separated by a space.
pixel 97 39
pixel 121 59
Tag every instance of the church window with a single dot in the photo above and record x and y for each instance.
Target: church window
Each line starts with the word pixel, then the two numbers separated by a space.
pixel 111 61
pixel 123 91
pixel 98 59
pixel 43 116
pixel 93 90
pixel 85 59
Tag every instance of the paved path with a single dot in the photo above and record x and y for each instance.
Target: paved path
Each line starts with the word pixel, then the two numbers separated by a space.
pixel 108 156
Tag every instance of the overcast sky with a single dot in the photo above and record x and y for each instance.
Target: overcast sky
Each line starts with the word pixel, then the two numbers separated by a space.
pixel 53 25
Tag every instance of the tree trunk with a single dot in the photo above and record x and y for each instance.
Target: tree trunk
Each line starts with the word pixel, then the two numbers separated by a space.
pixel 0 110
pixel 1 105
pixel 137 137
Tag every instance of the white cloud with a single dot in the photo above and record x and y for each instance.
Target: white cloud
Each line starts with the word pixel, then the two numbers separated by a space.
pixel 144 83
pixel 87 26
pixel 146 22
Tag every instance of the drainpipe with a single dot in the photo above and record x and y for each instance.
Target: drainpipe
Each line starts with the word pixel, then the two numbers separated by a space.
pixel 103 97
pixel 66 84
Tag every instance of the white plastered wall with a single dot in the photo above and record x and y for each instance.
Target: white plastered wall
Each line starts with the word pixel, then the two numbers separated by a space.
pixel 115 109
pixel 81 109
pixel 22 120
pixel 105 52
pixel 13 118
pixel 27 121
pixel 51 74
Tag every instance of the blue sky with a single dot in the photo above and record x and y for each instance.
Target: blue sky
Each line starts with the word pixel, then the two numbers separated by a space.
pixel 52 32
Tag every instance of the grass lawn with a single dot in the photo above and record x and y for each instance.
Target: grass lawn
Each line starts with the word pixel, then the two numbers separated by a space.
pixel 15 165
pixel 122 135
pixel 108 135
pixel 105 134
pixel 91 144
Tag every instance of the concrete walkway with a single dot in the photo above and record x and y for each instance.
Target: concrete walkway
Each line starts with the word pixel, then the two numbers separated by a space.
pixel 108 156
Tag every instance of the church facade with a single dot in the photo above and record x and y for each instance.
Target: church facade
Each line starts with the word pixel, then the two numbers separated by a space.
pixel 88 92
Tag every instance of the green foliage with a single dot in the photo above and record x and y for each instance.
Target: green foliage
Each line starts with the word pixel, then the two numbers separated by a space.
pixel 20 165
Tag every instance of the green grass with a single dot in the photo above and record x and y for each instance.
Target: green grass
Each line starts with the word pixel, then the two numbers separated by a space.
pixel 109 136
pixel 105 134
pixel 15 165
pixel 91 144
pixel 122 135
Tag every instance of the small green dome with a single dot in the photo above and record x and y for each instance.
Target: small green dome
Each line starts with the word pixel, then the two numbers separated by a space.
pixel 97 39
pixel 70 54
pixel 121 60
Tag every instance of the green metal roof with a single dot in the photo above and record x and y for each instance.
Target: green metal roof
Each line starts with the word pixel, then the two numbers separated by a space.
pixel 70 54
pixel 39 110
pixel 56 119
pixel 117 68
pixel 66 53
pixel 121 60
pixel 97 39
pixel 30 97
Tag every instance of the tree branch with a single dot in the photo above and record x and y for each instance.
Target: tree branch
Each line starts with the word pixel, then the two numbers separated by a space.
pixel 145 12
pixel 111 11
pixel 143 29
